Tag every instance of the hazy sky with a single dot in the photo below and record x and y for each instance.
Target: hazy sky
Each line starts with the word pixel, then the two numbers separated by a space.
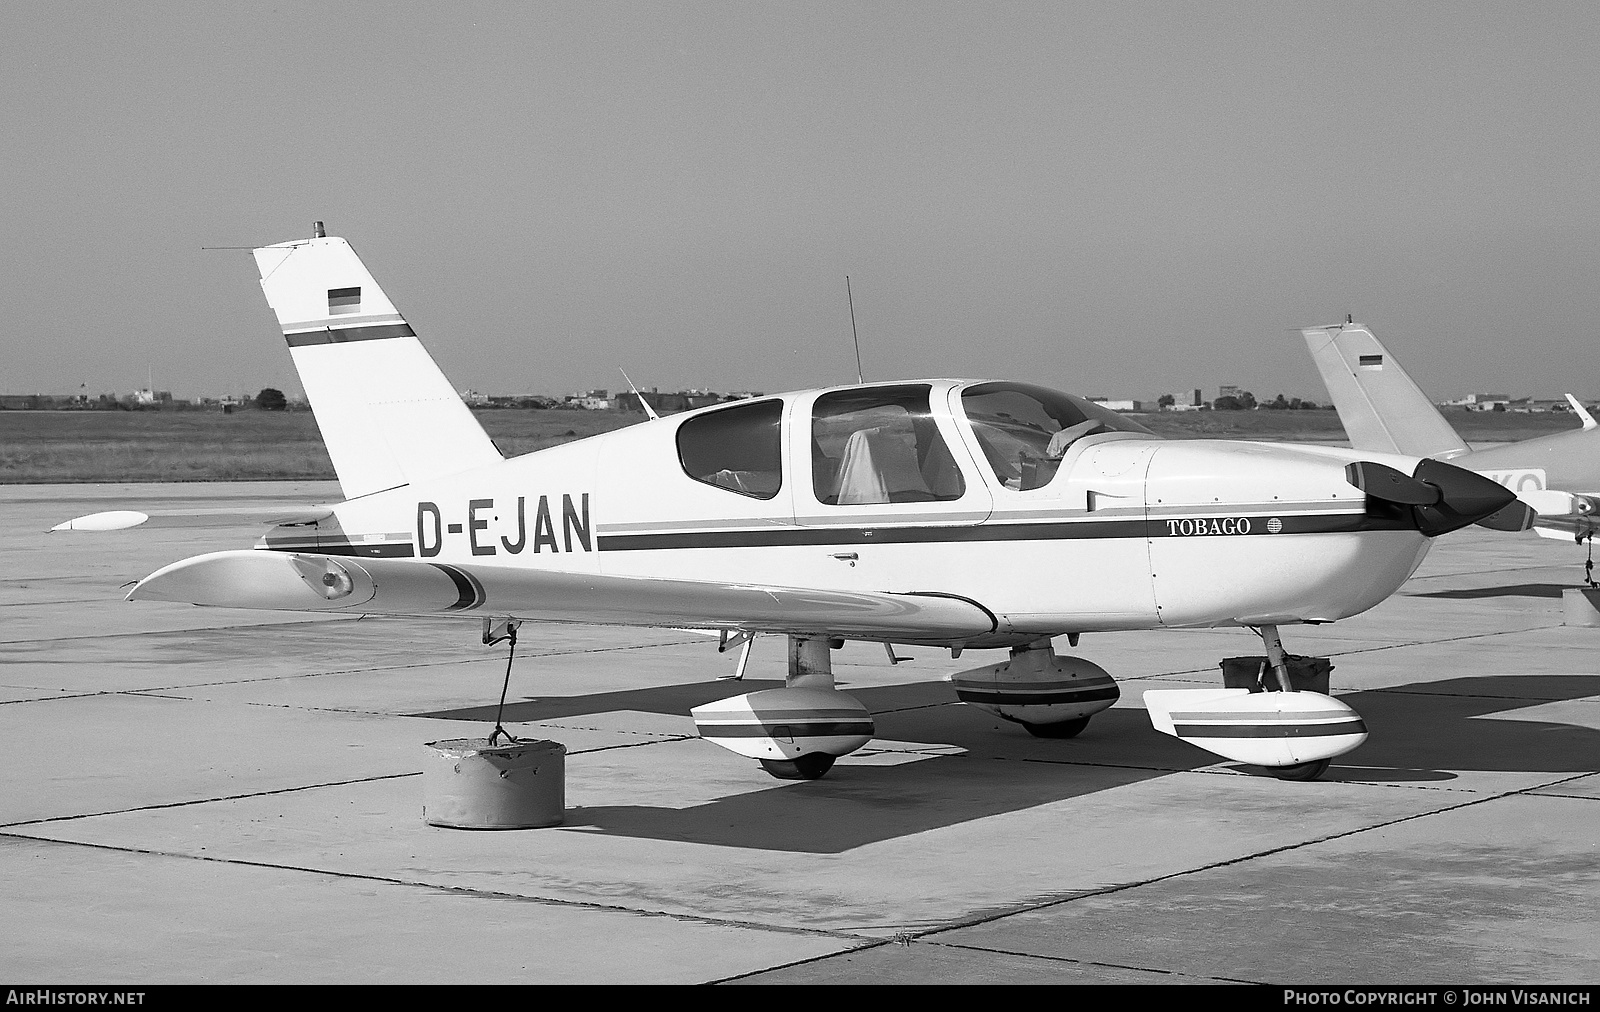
pixel 1111 198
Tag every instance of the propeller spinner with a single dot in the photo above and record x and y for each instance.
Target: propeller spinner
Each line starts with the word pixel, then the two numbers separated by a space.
pixel 1443 497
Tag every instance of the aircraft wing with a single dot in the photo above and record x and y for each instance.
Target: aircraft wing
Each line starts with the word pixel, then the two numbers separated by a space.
pixel 231 516
pixel 309 582
pixel 1378 403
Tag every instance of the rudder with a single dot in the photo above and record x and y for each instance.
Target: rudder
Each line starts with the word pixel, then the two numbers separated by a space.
pixel 1378 403
pixel 388 415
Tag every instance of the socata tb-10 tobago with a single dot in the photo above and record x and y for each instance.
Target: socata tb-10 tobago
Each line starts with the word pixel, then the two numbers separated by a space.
pixel 937 512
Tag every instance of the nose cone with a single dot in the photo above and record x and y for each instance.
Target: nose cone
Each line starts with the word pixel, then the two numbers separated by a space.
pixel 1443 497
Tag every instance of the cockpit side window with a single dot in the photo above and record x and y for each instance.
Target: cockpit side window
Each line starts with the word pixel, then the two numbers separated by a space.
pixel 880 446
pixel 738 448
pixel 1024 430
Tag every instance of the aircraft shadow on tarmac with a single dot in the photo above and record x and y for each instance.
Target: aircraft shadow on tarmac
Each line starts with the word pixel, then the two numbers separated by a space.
pixel 1550 590
pixel 1419 732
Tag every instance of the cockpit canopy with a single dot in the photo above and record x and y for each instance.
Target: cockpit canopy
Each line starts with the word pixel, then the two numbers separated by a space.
pixel 1024 430
pixel 883 444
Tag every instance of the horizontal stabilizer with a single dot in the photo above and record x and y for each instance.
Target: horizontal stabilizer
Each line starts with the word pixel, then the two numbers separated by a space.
pixel 266 516
pixel 1566 528
pixel 1379 405
pixel 310 582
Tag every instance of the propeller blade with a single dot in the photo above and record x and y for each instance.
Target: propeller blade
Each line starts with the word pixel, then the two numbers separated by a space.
pixel 1518 516
pixel 1465 498
pixel 1383 482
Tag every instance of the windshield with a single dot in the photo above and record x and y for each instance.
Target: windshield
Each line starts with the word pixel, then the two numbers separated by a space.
pixel 1024 430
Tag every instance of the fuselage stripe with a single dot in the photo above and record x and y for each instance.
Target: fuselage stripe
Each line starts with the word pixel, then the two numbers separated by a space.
pixel 798 729
pixel 328 546
pixel 1281 730
pixel 1023 697
pixel 1327 523
pixel 344 335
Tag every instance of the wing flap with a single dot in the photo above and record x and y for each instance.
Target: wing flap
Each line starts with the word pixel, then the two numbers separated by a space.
pixel 306 582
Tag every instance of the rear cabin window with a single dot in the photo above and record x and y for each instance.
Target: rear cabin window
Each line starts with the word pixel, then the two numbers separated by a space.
pixel 1024 430
pixel 737 448
pixel 880 446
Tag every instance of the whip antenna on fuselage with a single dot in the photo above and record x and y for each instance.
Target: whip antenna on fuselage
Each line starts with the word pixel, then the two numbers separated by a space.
pixel 642 402
pixel 853 336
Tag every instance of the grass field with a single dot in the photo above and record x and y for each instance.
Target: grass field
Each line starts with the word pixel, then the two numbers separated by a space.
pixel 73 446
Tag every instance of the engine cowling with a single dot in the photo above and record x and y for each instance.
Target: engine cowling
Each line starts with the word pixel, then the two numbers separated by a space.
pixel 1038 687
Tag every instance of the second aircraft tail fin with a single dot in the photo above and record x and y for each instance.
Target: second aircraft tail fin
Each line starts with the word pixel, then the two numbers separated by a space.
pixel 388 415
pixel 1380 406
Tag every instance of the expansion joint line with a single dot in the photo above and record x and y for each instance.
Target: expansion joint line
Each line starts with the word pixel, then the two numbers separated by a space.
pixel 490 894
pixel 199 801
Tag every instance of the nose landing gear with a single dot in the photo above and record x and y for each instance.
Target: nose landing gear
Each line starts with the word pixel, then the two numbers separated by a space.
pixel 1275 712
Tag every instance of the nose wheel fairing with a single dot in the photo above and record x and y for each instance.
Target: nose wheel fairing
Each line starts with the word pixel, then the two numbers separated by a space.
pixel 1274 729
pixel 1274 711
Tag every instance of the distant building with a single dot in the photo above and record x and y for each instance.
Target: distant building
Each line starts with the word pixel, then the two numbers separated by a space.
pixel 1118 405
pixel 1480 402
pixel 666 404
pixel 1532 405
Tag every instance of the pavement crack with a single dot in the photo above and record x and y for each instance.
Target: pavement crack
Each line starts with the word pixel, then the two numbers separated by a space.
pixel 1091 962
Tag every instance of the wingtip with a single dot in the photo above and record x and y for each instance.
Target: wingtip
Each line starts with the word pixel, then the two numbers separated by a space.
pixel 111 520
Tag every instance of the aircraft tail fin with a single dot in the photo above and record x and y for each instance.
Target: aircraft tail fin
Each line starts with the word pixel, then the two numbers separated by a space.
pixel 1379 404
pixel 387 413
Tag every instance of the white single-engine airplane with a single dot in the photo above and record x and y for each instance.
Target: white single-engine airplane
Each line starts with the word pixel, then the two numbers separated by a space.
pixel 1382 408
pixel 940 512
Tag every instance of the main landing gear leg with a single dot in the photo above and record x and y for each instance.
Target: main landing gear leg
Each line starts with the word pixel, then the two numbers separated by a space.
pixel 1280 669
pixel 795 732
pixel 810 667
pixel 1275 657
